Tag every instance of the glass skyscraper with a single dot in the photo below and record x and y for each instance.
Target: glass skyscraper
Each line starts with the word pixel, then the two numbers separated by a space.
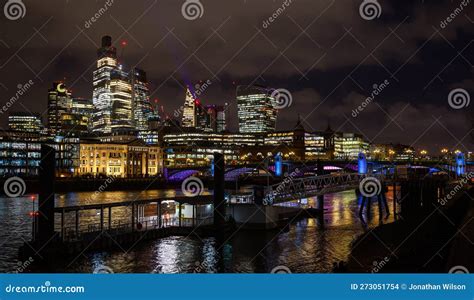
pixel 59 103
pixel 121 96
pixel 189 110
pixel 102 94
pixel 143 111
pixel 256 109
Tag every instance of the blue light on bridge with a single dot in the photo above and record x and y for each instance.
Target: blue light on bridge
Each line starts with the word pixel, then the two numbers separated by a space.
pixel 460 164
pixel 212 167
pixel 278 165
pixel 362 163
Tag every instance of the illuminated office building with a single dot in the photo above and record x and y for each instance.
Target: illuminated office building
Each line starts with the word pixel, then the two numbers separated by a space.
pixel 74 124
pixel 119 159
pixel 347 146
pixel 256 109
pixel 25 122
pixel 216 117
pixel 203 119
pixel 189 110
pixel 391 152
pixel 59 103
pixel 102 89
pixel 85 108
pixel 197 148
pixel 67 154
pixel 20 153
pixel 121 95
pixel 315 146
pixel 143 111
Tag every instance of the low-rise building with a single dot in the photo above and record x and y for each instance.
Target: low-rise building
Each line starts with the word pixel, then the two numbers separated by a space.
pixel 20 153
pixel 134 159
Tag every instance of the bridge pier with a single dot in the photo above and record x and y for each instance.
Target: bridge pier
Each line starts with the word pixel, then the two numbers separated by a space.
pixel 77 222
pixel 133 216
pixel 45 216
pixel 320 203
pixel 158 213
pixel 102 218
pixel 395 199
pixel 219 181
pixel 110 218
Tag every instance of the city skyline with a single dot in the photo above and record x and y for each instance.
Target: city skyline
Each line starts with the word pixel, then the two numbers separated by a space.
pixel 408 110
pixel 239 137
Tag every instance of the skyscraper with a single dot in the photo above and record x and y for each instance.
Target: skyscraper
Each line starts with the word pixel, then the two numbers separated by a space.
pixel 142 109
pixel 256 109
pixel 102 94
pixel 216 117
pixel 59 103
pixel 85 108
pixel 189 110
pixel 121 96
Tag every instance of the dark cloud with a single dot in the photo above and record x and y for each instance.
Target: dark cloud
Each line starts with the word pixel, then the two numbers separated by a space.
pixel 330 67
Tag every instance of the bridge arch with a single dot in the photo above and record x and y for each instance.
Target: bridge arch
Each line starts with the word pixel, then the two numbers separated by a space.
pixel 179 176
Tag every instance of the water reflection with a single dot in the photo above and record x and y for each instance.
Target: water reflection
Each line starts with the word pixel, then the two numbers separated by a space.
pixel 306 247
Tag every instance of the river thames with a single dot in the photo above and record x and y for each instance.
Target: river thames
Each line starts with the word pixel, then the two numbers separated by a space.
pixel 306 247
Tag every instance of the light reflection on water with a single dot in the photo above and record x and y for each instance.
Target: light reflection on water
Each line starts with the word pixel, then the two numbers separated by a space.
pixel 307 247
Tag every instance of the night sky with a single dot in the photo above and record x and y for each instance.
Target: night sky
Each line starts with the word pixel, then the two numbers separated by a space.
pixel 322 51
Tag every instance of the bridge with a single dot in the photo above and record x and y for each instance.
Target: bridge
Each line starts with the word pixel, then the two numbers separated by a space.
pixel 232 173
pixel 298 188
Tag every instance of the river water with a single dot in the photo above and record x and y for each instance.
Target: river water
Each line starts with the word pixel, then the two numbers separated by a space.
pixel 306 247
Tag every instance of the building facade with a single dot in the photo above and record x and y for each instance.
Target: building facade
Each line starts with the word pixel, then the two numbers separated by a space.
pixel 20 153
pixel 121 96
pixel 59 103
pixel 256 109
pixel 189 110
pixel 143 111
pixel 25 122
pixel 102 94
pixel 133 159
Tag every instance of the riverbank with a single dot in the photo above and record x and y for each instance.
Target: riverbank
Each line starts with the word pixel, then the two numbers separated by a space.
pixel 430 244
pixel 68 185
